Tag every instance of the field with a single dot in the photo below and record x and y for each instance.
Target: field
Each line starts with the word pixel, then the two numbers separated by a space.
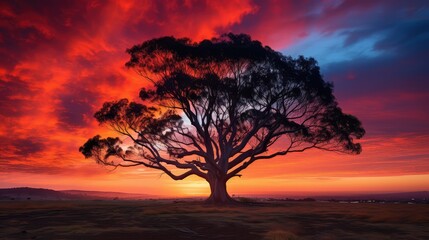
pixel 156 219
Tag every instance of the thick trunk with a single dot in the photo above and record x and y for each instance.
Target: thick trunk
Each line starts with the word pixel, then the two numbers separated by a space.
pixel 219 194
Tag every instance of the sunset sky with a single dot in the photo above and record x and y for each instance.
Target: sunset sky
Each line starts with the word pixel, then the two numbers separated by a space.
pixel 60 60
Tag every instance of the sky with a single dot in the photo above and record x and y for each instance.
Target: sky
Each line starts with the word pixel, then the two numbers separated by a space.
pixel 60 60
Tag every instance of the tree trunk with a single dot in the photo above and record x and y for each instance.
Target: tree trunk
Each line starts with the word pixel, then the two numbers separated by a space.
pixel 219 194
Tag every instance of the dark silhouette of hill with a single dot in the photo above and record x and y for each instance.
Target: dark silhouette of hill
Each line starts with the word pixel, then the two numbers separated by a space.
pixel 35 194
pixel 402 196
pixel 100 194
pixel 23 193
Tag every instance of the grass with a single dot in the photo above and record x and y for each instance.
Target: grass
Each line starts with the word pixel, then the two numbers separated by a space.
pixel 195 220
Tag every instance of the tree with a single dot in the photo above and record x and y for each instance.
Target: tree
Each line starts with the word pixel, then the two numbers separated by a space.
pixel 215 107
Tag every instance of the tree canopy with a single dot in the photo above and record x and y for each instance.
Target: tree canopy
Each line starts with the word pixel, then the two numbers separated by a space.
pixel 214 107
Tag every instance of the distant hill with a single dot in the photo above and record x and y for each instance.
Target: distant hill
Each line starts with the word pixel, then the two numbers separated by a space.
pixel 23 193
pixel 34 193
pixel 112 195
pixel 404 196
pixel 420 197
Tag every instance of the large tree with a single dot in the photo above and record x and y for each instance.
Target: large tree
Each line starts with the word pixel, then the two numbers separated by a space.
pixel 212 108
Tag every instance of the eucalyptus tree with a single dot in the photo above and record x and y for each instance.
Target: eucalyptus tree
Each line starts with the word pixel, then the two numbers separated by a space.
pixel 213 108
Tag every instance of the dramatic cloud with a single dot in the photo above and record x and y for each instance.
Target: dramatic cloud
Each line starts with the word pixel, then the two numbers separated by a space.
pixel 62 59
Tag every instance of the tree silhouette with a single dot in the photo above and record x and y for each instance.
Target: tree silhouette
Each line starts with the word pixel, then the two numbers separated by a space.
pixel 217 106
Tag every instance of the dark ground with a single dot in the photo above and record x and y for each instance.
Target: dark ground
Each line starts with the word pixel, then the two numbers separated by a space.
pixel 194 220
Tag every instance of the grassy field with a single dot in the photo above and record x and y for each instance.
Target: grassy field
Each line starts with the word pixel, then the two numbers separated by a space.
pixel 194 220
